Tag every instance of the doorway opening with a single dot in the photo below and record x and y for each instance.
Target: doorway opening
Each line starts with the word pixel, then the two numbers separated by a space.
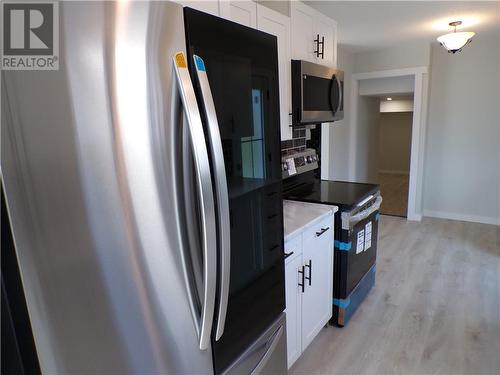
pixel 366 91
pixel 394 151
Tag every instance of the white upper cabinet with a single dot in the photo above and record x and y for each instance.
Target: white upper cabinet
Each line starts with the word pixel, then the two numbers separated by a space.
pixel 303 29
pixel 314 36
pixel 242 12
pixel 327 28
pixel 207 6
pixel 277 24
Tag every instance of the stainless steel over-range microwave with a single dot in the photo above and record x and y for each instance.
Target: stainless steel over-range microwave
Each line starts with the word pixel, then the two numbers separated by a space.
pixel 317 93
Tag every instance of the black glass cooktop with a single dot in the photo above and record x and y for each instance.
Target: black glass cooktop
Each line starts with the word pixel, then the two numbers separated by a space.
pixel 344 194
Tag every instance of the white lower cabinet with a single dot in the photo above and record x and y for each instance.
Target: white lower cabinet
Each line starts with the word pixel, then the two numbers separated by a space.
pixel 293 264
pixel 308 283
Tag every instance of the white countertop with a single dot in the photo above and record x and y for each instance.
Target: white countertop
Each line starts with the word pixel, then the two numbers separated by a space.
pixel 296 215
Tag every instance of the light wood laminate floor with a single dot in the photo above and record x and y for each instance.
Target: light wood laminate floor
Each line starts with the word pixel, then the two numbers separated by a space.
pixel 435 307
pixel 394 191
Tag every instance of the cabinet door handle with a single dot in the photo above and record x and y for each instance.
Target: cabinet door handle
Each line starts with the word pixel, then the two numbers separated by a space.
pixel 323 230
pixel 303 284
pixel 318 43
pixel 310 266
pixel 322 47
pixel 288 254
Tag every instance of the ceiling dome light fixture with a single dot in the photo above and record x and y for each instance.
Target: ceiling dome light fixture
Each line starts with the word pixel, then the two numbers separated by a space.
pixel 454 42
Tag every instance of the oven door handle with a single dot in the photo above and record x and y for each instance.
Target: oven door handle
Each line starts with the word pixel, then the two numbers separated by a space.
pixel 365 213
pixel 216 151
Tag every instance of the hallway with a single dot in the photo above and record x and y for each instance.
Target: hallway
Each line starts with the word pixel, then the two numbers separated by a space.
pixel 394 191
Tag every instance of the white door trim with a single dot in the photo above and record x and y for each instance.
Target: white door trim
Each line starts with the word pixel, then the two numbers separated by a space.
pixel 420 99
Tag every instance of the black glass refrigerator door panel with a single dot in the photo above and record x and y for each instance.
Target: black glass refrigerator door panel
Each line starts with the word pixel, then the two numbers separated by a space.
pixel 19 354
pixel 242 69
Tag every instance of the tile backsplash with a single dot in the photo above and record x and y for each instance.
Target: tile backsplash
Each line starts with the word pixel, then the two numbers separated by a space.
pixel 296 144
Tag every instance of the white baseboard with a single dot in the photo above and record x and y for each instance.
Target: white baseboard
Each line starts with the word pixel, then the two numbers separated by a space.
pixel 462 217
pixel 414 217
pixel 394 172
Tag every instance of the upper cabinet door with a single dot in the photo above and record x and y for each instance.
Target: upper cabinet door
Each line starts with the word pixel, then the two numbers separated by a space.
pixel 327 28
pixel 242 12
pixel 207 6
pixel 277 24
pixel 302 41
pixel 314 36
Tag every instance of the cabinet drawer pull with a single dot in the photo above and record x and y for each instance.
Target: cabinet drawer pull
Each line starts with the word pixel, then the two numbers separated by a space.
pixel 303 283
pixel 323 230
pixel 288 254
pixel 309 265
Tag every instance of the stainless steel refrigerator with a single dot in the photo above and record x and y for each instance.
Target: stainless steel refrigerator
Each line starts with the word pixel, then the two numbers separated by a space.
pixel 143 188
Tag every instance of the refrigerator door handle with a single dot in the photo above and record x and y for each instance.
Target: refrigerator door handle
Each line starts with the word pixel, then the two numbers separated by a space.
pixel 271 345
pixel 206 197
pixel 217 154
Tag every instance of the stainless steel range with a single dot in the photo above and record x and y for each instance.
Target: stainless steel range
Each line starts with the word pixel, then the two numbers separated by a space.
pixel 356 228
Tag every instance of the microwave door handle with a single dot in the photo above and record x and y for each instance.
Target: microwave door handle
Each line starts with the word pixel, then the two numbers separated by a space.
pixel 332 104
pixel 215 145
pixel 341 93
pixel 335 107
pixel 205 196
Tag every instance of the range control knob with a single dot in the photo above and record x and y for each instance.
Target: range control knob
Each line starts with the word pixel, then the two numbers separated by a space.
pixel 284 166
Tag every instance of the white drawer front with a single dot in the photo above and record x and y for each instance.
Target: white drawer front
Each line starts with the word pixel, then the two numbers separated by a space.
pixel 320 229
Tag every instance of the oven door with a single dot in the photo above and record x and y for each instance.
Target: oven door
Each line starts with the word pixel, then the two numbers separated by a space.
pixel 355 246
pixel 242 71
pixel 321 90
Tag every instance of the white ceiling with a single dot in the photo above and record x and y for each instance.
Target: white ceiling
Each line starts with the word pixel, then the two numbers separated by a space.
pixel 373 25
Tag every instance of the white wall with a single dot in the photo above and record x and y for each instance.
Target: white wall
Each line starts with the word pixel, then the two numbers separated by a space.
pixel 417 54
pixel 366 143
pixel 395 142
pixel 340 130
pixel 462 160
pixel 396 105
pixel 387 85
